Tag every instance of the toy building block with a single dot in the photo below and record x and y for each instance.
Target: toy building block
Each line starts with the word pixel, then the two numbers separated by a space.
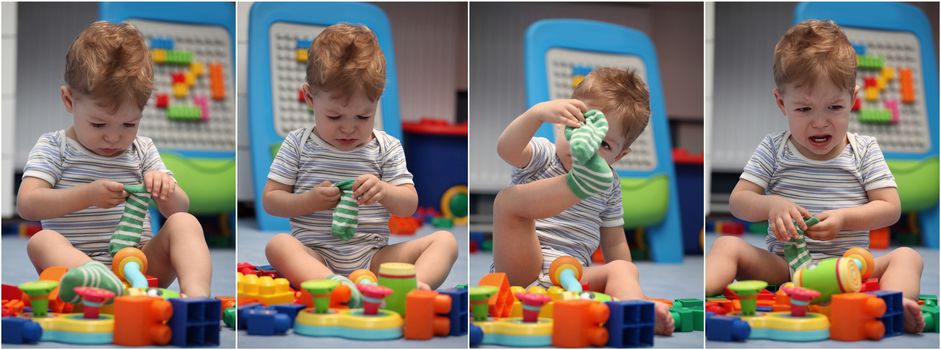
pixel 502 302
pixel 425 317
pixel 928 299
pixel 289 310
pixel 180 90
pixel 159 56
pixel 229 317
pixel 227 301
pixel 631 323
pixel 566 271
pixel 697 310
pixel 893 318
pixel 177 78
pixel 870 285
pixel 747 292
pixel 12 307
pixel 141 320
pixel 243 310
pixel 195 322
pixel 579 324
pixel 907 86
pixel 837 275
pixel 266 290
pixel 476 336
pixel 260 321
pixel 246 268
pixel 189 78
pixel 719 307
pixel 531 305
pixel 179 57
pixel 725 328
pixel 682 318
pixel 855 316
pixel 38 292
pixel 398 225
pixel 20 331
pixel 458 314
pixel 197 68
pixel 930 313
pixel 161 43
pixel 163 100
pixel 216 81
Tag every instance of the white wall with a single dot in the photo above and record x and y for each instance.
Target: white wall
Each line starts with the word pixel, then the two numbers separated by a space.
pixel 7 119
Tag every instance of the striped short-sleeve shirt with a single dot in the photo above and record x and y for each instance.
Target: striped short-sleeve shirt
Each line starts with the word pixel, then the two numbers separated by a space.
pixel 305 163
pixel 65 163
pixel 576 231
pixel 820 185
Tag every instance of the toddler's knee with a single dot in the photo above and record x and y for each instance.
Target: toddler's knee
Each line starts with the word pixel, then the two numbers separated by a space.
pixel 727 244
pixel 908 255
pixel 502 202
pixel 182 218
pixel 40 241
pixel 623 266
pixel 277 244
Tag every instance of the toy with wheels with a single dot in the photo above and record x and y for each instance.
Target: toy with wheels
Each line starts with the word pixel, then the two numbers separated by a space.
pixel 837 275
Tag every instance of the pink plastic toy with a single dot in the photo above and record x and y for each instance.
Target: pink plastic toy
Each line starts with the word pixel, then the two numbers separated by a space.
pixel 372 297
pixel 532 302
pixel 800 299
pixel 92 299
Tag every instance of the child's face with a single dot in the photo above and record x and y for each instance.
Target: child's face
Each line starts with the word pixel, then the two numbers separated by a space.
pixel 612 148
pixel 344 123
pixel 817 116
pixel 102 130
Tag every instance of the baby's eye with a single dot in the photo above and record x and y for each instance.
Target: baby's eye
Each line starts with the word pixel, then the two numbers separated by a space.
pixel 605 145
pixel 129 125
pixel 836 107
pixel 363 117
pixel 803 109
pixel 98 125
pixel 333 117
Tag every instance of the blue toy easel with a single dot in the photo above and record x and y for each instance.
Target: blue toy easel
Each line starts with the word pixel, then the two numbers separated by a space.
pixel 899 18
pixel 627 45
pixel 261 107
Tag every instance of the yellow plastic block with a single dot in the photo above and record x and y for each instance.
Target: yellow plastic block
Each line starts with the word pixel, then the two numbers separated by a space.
pixel 197 68
pixel 577 80
pixel 266 290
pixel 158 55
pixel 872 93
pixel 180 90
pixel 888 73
pixel 301 55
pixel 880 83
pixel 190 78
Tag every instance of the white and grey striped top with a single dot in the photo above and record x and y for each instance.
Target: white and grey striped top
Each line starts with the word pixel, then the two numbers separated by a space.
pixel 575 231
pixel 316 161
pixel 64 163
pixel 780 169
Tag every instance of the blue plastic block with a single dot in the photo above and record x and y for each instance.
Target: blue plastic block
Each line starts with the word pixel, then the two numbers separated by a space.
pixel 764 308
pixel 266 322
pixel 580 70
pixel 893 318
pixel 458 314
pixel 20 331
pixel 161 43
pixel 289 310
pixel 726 328
pixel 859 48
pixel 477 237
pixel 476 336
pixel 195 322
pixel 241 312
pixel 630 324
pixel 303 44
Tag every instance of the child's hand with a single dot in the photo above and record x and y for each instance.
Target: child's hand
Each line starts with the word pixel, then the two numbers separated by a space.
pixel 160 185
pixel 568 112
pixel 368 189
pixel 831 222
pixel 326 192
pixel 106 193
pixel 781 216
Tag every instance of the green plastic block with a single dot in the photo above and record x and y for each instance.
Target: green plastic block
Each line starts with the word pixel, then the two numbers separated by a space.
pixel 682 318
pixel 869 62
pixel 697 309
pixel 442 222
pixel 184 113
pixel 689 303
pixel 760 227
pixel 875 116
pixel 930 313
pixel 930 299
pixel 179 57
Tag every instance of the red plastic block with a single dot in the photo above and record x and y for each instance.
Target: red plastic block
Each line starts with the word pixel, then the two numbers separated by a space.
pixel 178 78
pixel 579 324
pixel 855 316
pixel 857 104
pixel 501 302
pixel 869 82
pixel 163 100
pixel 300 96
pixel 879 238
pixel 870 285
pixel 141 321
pixel 426 314
pixel 403 225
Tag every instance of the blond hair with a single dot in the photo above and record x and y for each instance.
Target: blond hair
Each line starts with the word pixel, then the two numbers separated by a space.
pixel 111 63
pixel 813 49
pixel 618 93
pixel 347 58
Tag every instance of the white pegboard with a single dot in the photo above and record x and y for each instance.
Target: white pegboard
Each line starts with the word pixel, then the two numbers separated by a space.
pixel 289 73
pixel 560 66
pixel 208 44
pixel 898 49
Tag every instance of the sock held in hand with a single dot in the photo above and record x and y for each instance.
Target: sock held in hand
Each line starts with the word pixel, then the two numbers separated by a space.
pixel 346 214
pixel 131 225
pixel 590 174
pixel 91 274
pixel 795 249
pixel 356 299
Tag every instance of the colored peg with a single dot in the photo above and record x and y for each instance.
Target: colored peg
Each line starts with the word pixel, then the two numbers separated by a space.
pixel 372 297
pixel 532 303
pixel 800 299
pixel 92 299
pixel 320 292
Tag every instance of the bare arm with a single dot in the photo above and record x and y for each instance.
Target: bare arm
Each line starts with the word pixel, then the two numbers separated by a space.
pixel 614 244
pixel 176 202
pixel 37 200
pixel 883 210
pixel 513 144
pixel 749 202
pixel 401 200
pixel 280 200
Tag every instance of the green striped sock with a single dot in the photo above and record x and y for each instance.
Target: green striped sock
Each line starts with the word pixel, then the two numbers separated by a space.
pixel 345 216
pixel 132 221
pixel 356 299
pixel 91 274
pixel 795 249
pixel 590 173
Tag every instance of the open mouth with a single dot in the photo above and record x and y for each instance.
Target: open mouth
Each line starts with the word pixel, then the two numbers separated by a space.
pixel 820 140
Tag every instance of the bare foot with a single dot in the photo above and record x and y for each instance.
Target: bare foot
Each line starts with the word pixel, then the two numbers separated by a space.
pixel 423 286
pixel 663 319
pixel 914 321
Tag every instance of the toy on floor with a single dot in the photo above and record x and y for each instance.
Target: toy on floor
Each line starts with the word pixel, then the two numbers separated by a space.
pixel 527 331
pixel 142 320
pixel 400 278
pixel 320 321
pixel 130 265
pixel 837 275
pixel 77 328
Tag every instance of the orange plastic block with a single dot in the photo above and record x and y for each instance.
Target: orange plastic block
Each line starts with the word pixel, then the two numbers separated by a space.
pixel 339 297
pixel 426 314
pixel 907 86
pixel 782 302
pixel 227 302
pixel 402 225
pixel 662 300
pixel 597 256
pixel 579 324
pixel 55 273
pixel 502 302
pixel 879 238
pixel 141 321
pixel 216 81
pixel 855 316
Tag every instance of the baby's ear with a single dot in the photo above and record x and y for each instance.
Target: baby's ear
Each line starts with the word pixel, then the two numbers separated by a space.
pixel 624 153
pixel 778 99
pixel 67 99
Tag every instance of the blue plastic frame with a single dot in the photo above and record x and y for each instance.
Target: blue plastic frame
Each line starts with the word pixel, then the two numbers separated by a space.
pixel 900 18
pixel 212 13
pixel 666 244
pixel 261 123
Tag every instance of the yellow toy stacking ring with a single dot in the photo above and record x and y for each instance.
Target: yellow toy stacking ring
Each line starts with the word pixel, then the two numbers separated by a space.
pixel 864 257
pixel 363 274
pixel 454 204
pixel 563 263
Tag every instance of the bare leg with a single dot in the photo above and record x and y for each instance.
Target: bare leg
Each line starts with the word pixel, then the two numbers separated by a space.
pixel 516 248
pixel 731 258
pixel 900 270
pixel 179 250
pixel 294 261
pixel 620 279
pixel 432 255
pixel 48 248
